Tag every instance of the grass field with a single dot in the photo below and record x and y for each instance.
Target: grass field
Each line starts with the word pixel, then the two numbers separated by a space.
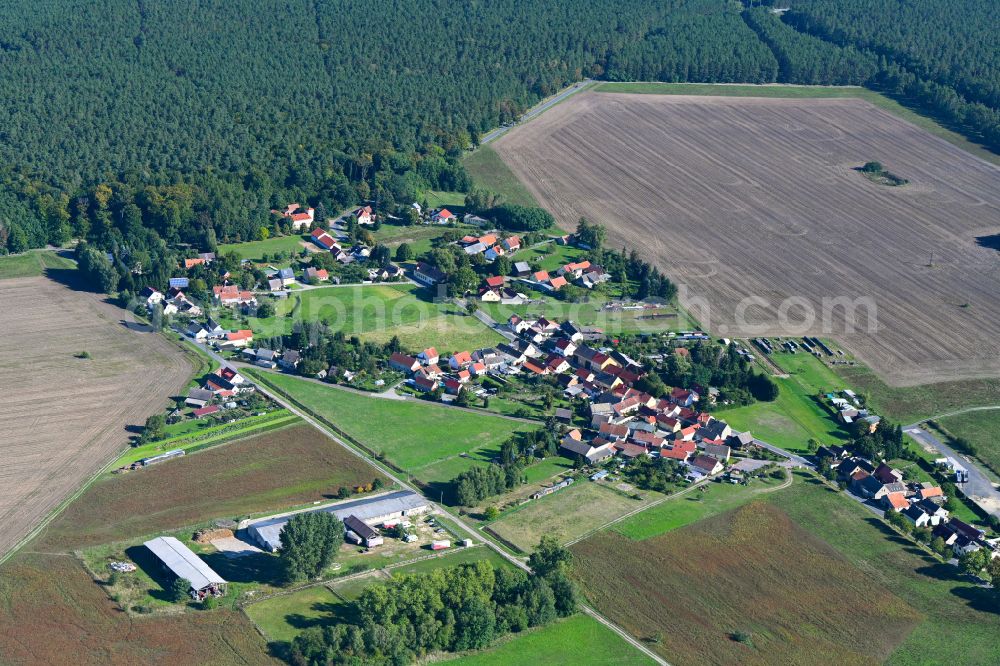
pixel 790 421
pixel 51 612
pixel 579 640
pixel 425 439
pixel 566 514
pixel 378 312
pixel 909 404
pixel 283 617
pixel 982 429
pixel 453 201
pixel 952 610
pixel 749 570
pixel 796 416
pixel 489 172
pixel 691 167
pixel 32 264
pixel 419 237
pixel 803 92
pixel 255 250
pixel 697 505
pixel 191 440
pixel 268 472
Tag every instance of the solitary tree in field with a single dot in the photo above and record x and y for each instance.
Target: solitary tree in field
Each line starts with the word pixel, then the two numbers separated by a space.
pixel 154 427
pixel 308 543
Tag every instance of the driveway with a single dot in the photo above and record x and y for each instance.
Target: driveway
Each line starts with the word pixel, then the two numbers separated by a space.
pixel 978 488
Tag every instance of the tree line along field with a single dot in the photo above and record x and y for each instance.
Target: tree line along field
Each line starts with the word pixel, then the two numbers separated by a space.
pixel 808 574
pixel 268 472
pixel 65 417
pixel 431 442
pixel 772 183
pixel 579 638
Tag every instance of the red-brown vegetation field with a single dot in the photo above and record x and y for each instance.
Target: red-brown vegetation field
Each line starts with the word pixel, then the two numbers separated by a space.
pixel 51 612
pixel 749 570
pixel 63 417
pixel 266 472
pixel 754 197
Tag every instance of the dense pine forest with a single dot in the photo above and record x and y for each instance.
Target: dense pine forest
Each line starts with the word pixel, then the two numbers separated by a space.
pixel 148 125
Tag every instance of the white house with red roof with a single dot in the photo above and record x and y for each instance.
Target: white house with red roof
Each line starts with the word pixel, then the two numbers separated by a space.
pixel 364 215
pixel 443 216
pixel 460 360
pixel 324 240
pixel 300 217
pixel 429 356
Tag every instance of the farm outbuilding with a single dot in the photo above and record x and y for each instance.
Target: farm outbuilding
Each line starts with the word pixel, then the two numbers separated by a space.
pixel 359 532
pixel 373 510
pixel 183 563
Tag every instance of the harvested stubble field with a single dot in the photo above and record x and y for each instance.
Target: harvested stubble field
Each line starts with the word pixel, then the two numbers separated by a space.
pixel 267 472
pixel 51 612
pixel 755 197
pixel 65 417
pixel 750 570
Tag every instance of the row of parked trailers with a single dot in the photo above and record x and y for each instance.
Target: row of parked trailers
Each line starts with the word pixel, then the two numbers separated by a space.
pixel 809 344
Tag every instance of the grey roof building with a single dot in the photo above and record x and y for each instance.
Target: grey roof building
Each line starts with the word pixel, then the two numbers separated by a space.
pixel 370 510
pixel 183 563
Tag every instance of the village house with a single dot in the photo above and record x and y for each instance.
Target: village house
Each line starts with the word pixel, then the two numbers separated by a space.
pixel 428 274
pixel 324 240
pixel 424 384
pixel 314 275
pixel 443 216
pixel 301 218
pixel 364 215
pixel 287 277
pixel 460 360
pixel 403 363
pixel 706 465
pixel 151 296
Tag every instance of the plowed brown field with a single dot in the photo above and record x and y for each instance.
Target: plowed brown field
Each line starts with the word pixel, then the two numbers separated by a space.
pixel 753 197
pixel 63 418
pixel 750 570
pixel 52 612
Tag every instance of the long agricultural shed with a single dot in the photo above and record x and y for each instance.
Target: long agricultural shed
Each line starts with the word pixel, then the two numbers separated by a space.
pixel 267 532
pixel 183 563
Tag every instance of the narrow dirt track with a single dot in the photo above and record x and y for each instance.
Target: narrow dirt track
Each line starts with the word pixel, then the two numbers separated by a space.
pixel 754 197
pixel 65 417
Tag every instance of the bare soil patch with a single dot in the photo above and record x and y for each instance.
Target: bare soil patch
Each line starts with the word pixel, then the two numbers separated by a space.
pixel 64 417
pixel 741 197
pixel 749 570
pixel 268 472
